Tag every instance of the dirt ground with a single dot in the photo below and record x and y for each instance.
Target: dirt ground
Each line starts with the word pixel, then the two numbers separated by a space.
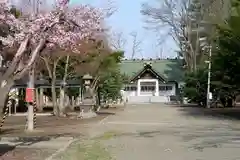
pixel 48 136
pixel 27 154
pixel 14 126
pixel 47 126
pixel 159 131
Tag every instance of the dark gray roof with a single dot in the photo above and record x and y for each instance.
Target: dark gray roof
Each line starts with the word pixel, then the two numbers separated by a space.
pixel 46 83
pixel 171 69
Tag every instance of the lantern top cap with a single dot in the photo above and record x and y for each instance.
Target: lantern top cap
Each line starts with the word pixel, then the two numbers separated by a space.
pixel 87 76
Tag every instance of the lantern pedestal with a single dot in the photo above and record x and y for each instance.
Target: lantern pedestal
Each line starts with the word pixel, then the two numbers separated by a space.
pixel 86 108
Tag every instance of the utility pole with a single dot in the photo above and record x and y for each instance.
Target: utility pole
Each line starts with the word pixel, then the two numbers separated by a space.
pixel 209 77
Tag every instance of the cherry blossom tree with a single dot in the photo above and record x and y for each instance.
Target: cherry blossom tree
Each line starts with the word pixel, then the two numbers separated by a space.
pixel 53 62
pixel 61 28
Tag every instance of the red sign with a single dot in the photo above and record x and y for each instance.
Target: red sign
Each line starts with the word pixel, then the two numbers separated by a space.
pixel 29 95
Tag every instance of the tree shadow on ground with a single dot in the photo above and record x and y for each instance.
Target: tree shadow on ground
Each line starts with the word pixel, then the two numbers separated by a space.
pixel 7 131
pixel 24 141
pixel 4 148
pixel 105 113
pixel 219 113
pixel 195 137
pixel 31 139
pixel 41 134
pixel 199 138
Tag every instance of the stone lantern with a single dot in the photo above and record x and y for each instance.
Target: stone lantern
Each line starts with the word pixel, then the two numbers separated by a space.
pixel 88 101
pixel 87 80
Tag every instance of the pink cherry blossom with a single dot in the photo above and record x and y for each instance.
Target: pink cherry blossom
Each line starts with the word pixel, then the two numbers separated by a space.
pixel 63 2
pixel 62 27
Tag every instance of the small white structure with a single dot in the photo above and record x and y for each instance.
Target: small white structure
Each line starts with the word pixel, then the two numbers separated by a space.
pixel 147 85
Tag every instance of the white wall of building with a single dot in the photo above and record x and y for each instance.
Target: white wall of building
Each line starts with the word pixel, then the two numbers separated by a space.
pixel 130 93
pixel 168 92
pixel 162 92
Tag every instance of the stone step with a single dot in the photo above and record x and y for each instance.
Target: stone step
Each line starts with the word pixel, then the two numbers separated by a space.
pixel 148 99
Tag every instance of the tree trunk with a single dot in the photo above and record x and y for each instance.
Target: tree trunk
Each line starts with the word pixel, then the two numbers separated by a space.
pixel 21 102
pixel 41 100
pixel 62 89
pixel 3 97
pixel 223 101
pixel 229 102
pixel 61 103
pixel 37 98
pixel 93 95
pixel 73 103
pixel 98 98
pixel 54 97
pixel 4 90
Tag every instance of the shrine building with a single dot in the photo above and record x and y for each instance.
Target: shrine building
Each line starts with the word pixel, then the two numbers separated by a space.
pixel 152 80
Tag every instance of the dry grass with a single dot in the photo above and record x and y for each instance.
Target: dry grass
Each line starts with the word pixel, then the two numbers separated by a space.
pixel 108 135
pixel 89 149
pixel 85 150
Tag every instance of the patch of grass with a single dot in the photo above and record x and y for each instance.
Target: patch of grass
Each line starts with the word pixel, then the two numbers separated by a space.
pixel 108 135
pixel 92 150
pixel 89 149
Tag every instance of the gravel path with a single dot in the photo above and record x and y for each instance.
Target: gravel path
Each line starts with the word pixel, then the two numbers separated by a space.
pixel 156 132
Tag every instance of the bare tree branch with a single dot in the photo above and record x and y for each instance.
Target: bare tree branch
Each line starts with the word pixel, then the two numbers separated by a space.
pixel 182 19
pixel 136 44
pixel 173 17
pixel 118 41
pixel 12 67
pixel 49 69
pixel 31 60
pixel 110 8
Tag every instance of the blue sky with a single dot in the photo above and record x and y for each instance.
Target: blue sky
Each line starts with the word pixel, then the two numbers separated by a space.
pixel 128 19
